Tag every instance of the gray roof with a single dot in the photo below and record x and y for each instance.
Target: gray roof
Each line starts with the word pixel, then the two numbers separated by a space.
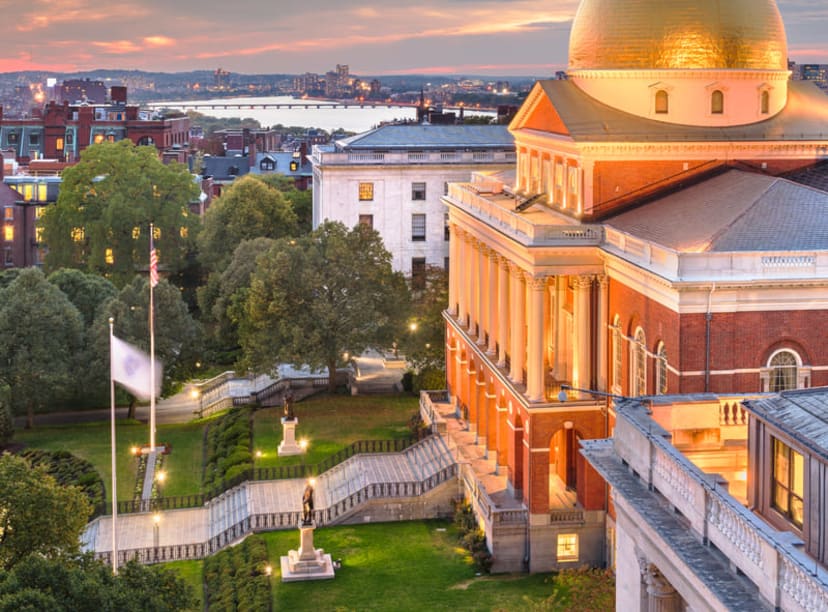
pixel 418 136
pixel 801 413
pixel 735 211
pixel 587 119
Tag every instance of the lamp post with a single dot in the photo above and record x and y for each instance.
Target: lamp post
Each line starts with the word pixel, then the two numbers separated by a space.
pixel 156 522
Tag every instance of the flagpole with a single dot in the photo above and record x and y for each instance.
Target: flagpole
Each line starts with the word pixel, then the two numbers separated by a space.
pixel 114 468
pixel 153 280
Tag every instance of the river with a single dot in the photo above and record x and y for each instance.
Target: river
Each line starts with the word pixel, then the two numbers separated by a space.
pixel 353 119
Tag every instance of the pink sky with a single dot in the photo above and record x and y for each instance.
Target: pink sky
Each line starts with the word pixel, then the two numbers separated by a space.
pixel 487 37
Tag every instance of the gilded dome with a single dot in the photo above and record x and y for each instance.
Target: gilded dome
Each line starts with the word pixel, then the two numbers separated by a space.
pixel 678 34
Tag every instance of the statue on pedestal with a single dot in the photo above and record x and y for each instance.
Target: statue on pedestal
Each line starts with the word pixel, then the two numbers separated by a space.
pixel 288 405
pixel 307 505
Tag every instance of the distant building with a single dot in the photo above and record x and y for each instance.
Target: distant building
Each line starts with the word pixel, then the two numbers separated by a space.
pixel 392 178
pixel 77 91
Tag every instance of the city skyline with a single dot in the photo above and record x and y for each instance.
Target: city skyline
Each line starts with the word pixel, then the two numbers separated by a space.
pixel 516 38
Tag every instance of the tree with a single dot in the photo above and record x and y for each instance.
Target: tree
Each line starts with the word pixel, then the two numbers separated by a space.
pixel 178 341
pixel 300 201
pixel 424 341
pixel 247 209
pixel 6 416
pixel 313 299
pixel 37 515
pixel 40 338
pixel 107 200
pixel 88 292
pixel 79 582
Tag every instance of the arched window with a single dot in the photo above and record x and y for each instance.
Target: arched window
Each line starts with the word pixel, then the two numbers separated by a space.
pixel 638 361
pixel 765 102
pixel 661 369
pixel 617 355
pixel 662 102
pixel 783 371
pixel 717 102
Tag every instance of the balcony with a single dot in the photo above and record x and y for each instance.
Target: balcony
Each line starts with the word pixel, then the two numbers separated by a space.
pixel 407 158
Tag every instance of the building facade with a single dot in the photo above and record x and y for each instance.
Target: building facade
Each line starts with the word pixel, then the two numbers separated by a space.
pixel 393 178
pixel 649 240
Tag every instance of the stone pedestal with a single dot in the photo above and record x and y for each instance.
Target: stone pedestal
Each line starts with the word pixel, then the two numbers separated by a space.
pixel 307 563
pixel 289 445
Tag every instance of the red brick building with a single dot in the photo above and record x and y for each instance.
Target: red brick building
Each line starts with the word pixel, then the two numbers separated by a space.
pixel 651 240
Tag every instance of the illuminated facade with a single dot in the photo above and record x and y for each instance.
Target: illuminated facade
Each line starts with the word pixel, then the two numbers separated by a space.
pixel 646 242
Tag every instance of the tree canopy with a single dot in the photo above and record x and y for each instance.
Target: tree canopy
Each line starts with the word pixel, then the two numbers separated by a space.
pixel 247 209
pixel 37 515
pixel 107 201
pixel 41 335
pixel 86 291
pixel 317 297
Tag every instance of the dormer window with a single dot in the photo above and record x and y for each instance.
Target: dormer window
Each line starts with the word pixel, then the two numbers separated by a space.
pixel 717 102
pixel 662 101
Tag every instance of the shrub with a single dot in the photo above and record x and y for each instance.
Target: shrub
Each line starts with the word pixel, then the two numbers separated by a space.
pixel 228 448
pixel 69 470
pixel 235 578
pixel 6 416
pixel 471 536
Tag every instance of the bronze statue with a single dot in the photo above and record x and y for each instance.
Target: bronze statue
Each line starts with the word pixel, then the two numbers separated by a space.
pixel 307 505
pixel 288 405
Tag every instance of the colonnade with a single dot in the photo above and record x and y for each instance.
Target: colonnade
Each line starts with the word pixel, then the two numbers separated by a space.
pixel 529 323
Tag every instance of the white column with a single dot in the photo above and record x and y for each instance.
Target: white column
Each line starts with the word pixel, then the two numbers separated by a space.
pixel 491 300
pixel 454 277
pixel 473 285
pixel 601 322
pixel 534 365
pixel 581 339
pixel 482 270
pixel 461 278
pixel 518 327
pixel 503 301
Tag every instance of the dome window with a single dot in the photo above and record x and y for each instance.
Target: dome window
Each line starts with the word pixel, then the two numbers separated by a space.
pixel 717 102
pixel 764 103
pixel 662 101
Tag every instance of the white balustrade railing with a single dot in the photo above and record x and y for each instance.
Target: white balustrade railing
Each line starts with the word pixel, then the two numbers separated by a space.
pixel 413 157
pixel 769 558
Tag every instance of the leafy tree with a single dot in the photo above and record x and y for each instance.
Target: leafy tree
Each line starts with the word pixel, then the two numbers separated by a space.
pixel 107 200
pixel 247 209
pixel 315 298
pixel 40 337
pixel 79 582
pixel 300 201
pixel 88 292
pixel 6 416
pixel 424 341
pixel 37 515
pixel 178 342
pixel 229 292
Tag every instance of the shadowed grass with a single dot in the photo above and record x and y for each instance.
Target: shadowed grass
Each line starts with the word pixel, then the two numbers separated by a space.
pixel 410 566
pixel 332 422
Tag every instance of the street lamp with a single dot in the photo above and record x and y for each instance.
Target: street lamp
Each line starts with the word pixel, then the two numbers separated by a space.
pixel 156 521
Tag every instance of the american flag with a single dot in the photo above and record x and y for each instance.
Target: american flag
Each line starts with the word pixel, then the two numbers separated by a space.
pixel 153 269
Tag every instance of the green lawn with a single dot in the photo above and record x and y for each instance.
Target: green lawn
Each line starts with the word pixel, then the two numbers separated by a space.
pixel 332 422
pixel 410 566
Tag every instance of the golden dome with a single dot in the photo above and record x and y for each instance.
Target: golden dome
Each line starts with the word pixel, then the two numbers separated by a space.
pixel 681 34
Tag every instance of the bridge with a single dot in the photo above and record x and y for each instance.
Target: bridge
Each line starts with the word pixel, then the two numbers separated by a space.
pixel 301 104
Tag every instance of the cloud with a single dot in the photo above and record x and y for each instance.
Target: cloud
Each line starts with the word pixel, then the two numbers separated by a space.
pixel 159 41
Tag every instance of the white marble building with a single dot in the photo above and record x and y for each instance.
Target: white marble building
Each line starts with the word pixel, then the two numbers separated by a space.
pixel 393 178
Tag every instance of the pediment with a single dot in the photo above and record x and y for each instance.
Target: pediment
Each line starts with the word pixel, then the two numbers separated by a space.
pixel 538 113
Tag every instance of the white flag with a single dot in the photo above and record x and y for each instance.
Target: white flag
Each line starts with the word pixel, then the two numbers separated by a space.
pixel 131 368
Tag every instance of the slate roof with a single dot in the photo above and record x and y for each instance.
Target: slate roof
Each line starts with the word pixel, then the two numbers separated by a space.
pixel 805 117
pixel 735 211
pixel 801 413
pixel 418 136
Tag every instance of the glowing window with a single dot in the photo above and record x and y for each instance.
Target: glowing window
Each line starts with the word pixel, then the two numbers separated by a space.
pixel 184 232
pixel 788 482
pixel 567 547
pixel 661 369
pixel 366 192
pixel 109 257
pixel 77 234
pixel 783 373
pixel 28 192
pixel 39 234
pixel 8 233
pixel 8 213
pixel 42 192
pixel 717 102
pixel 136 233
pixel 99 138
pixel 59 144
pixel 156 233
pixel 638 382
pixel 39 211
pixel 661 102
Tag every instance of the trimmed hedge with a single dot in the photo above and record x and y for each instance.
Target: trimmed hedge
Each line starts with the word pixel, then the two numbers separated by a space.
pixel 228 443
pixel 235 579
pixel 69 470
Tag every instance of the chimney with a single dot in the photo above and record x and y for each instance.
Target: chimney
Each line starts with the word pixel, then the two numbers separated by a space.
pixel 2 166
